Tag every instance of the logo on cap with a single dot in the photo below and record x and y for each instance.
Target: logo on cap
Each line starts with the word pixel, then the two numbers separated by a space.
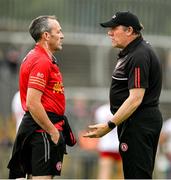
pixel 114 16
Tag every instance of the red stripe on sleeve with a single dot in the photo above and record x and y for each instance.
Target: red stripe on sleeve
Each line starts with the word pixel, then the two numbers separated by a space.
pixel 135 79
pixel 138 75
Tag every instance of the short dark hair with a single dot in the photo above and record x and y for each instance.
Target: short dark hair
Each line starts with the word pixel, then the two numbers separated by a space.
pixel 40 25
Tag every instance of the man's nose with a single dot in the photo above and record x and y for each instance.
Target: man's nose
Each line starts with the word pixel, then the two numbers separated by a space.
pixel 62 36
pixel 109 33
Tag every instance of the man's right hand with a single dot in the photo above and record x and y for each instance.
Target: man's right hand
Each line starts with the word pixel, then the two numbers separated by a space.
pixel 55 136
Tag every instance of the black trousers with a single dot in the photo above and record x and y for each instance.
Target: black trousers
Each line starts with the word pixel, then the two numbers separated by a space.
pixel 138 137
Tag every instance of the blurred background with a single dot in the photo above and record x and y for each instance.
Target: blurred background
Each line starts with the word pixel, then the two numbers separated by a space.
pixel 86 61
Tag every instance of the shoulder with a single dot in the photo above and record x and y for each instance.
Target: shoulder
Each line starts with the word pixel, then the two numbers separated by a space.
pixel 142 53
pixel 144 48
pixel 36 56
pixel 40 60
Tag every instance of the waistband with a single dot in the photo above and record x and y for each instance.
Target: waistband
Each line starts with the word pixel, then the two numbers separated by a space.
pixel 53 116
pixel 31 126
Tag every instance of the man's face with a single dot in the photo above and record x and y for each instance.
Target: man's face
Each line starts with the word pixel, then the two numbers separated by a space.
pixel 56 36
pixel 118 36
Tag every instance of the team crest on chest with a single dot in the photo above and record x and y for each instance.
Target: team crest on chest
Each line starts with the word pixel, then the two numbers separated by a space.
pixel 58 88
pixel 124 147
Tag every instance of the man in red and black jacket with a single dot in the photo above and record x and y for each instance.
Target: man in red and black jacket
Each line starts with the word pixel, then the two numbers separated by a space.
pixel 40 143
pixel 134 97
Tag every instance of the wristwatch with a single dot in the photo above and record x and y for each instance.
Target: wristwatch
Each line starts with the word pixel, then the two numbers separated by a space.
pixel 111 124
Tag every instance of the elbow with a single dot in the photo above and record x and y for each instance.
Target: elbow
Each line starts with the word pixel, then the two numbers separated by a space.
pixel 33 99
pixel 139 101
pixel 136 97
pixel 33 105
pixel 29 106
pixel 136 101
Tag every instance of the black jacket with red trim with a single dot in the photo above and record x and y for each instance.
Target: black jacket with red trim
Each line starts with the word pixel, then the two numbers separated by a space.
pixel 137 67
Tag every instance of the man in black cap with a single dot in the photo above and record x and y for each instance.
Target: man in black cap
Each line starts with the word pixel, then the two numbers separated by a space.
pixel 134 97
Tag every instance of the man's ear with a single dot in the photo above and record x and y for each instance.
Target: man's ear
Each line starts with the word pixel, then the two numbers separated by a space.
pixel 46 35
pixel 129 30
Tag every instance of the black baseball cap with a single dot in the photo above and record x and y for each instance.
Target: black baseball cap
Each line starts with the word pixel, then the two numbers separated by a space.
pixel 125 19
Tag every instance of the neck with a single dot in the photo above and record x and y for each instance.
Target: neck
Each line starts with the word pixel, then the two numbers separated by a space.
pixel 132 38
pixel 46 48
pixel 48 51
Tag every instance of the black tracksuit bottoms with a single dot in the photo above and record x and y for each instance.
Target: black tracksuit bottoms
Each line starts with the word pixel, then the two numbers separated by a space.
pixel 138 137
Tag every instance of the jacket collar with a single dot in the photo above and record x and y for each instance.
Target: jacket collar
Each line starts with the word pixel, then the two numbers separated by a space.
pixel 130 47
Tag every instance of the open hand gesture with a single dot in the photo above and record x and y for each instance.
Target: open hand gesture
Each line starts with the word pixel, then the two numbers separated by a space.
pixel 97 130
